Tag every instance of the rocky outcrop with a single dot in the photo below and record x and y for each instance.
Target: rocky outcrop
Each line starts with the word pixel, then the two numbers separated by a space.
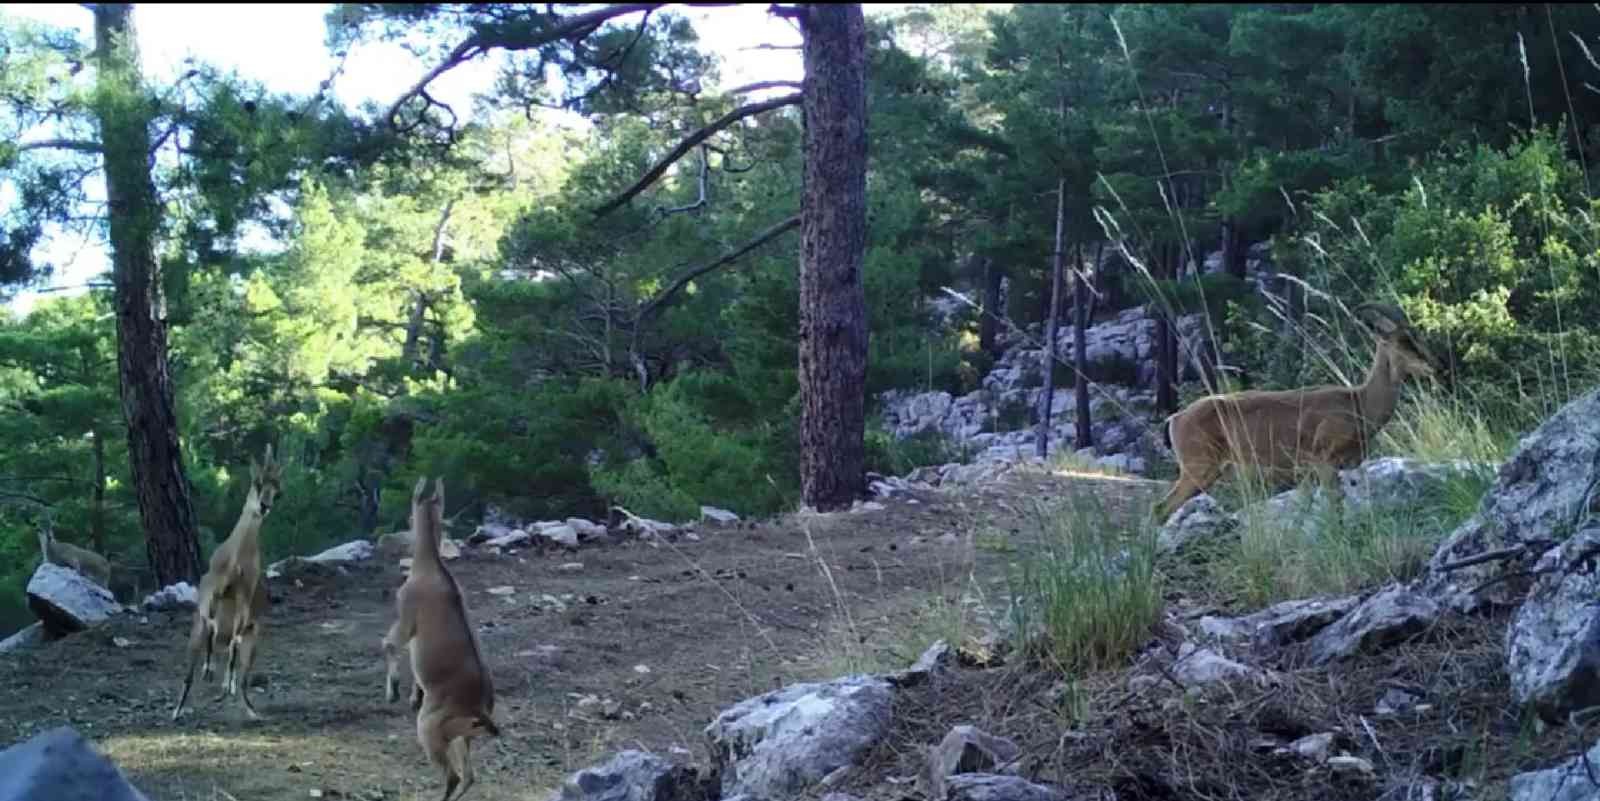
pixel 1383 619
pixel 1537 500
pixel 632 776
pixel 1553 643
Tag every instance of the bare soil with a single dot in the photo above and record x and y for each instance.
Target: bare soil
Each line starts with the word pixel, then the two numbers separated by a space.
pixel 662 638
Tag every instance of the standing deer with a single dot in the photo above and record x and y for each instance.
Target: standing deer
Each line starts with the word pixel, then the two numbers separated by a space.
pixel 452 691
pixel 1325 428
pixel 89 564
pixel 232 599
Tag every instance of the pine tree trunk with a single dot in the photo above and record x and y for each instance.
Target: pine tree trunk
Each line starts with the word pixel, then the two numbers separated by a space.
pixel 97 499
pixel 989 321
pixel 165 506
pixel 833 237
pixel 1041 440
pixel 1080 354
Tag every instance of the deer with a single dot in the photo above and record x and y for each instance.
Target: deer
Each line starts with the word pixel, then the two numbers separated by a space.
pixel 1326 428
pixel 232 598
pixel 452 690
pixel 87 563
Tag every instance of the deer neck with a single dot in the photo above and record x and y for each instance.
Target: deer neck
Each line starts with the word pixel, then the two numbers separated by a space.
pixel 425 551
pixel 247 531
pixel 1378 395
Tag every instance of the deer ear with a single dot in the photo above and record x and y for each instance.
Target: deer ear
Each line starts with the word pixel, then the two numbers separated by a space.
pixel 255 471
pixel 267 460
pixel 438 491
pixel 416 493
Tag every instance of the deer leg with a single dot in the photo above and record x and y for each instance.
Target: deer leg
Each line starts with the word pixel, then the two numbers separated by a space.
pixel 245 644
pixel 1189 484
pixel 399 637
pixel 198 639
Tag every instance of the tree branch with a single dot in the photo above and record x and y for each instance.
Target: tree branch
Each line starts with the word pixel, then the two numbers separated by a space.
pixel 576 26
pixel 759 85
pixel 80 145
pixel 689 143
pixel 665 296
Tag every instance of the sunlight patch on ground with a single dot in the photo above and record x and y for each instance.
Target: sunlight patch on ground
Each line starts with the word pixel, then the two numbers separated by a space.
pixel 169 751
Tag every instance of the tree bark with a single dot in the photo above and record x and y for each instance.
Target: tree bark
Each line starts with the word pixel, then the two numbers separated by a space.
pixel 1041 439
pixel 1080 354
pixel 166 508
pixel 833 237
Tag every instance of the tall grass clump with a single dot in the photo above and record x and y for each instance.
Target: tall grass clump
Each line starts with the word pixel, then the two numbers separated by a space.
pixel 1303 545
pixel 1087 595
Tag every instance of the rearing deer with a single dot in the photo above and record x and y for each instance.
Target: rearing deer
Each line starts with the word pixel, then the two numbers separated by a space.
pixel 232 598
pixel 1326 428
pixel 452 690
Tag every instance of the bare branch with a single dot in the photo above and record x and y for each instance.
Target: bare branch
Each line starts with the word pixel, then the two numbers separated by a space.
pixel 689 144
pixel 664 297
pixel 760 85
pixel 79 145
pixel 773 47
pixel 574 27
pixel 700 201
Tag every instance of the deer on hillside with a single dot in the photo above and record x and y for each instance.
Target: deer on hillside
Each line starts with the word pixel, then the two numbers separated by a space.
pixel 89 564
pixel 452 691
pixel 1325 428
pixel 232 598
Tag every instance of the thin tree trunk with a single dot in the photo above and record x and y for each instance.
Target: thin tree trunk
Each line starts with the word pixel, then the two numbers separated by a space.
pixel 166 508
pixel 833 237
pixel 1080 352
pixel 1041 440
pixel 97 498
pixel 989 321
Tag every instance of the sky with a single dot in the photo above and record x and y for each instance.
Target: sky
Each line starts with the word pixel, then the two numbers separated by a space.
pixel 281 45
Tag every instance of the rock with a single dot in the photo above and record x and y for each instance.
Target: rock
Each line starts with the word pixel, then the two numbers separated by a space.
pixel 1571 780
pixel 561 534
pixel 587 530
pixel 778 743
pixel 1197 666
pixel 1282 623
pixel 1352 766
pixel 632 776
pixel 1385 618
pixel 59 765
pixel 400 544
pixel 1314 747
pixel 1199 520
pixel 1530 503
pixel 932 661
pixel 994 787
pixel 1421 788
pixel 514 538
pixel 29 637
pixel 1122 462
pixel 353 551
pixel 716 515
pixel 965 750
pixel 1394 700
pixel 1553 643
pixel 297 567
pixel 174 596
pixel 866 506
pixel 65 601
pixel 485 532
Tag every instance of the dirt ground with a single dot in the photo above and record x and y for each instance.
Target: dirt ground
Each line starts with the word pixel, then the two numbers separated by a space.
pixel 618 645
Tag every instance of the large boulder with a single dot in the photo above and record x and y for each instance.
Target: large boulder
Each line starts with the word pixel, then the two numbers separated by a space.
pixel 1553 644
pixel 776 744
pixel 1280 624
pixel 66 602
pixel 632 776
pixel 59 765
pixel 29 637
pixel 1529 508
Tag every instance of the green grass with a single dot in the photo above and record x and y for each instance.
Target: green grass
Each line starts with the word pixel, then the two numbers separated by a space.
pixel 1088 594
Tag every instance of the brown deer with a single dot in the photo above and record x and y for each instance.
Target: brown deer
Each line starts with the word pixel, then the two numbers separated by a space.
pixel 232 598
pixel 1325 428
pixel 87 563
pixel 452 691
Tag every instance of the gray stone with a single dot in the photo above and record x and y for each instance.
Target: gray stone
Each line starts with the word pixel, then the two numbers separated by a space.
pixel 182 595
pixel 31 636
pixel 1197 666
pixel 65 601
pixel 716 515
pixel 353 551
pixel 933 661
pixel 995 787
pixel 59 765
pixel 965 749
pixel 561 534
pixel 632 776
pixel 587 529
pixel 778 743
pixel 1199 520
pixel 1533 499
pixel 1282 623
pixel 1383 619
pixel 1553 643
pixel 1569 781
